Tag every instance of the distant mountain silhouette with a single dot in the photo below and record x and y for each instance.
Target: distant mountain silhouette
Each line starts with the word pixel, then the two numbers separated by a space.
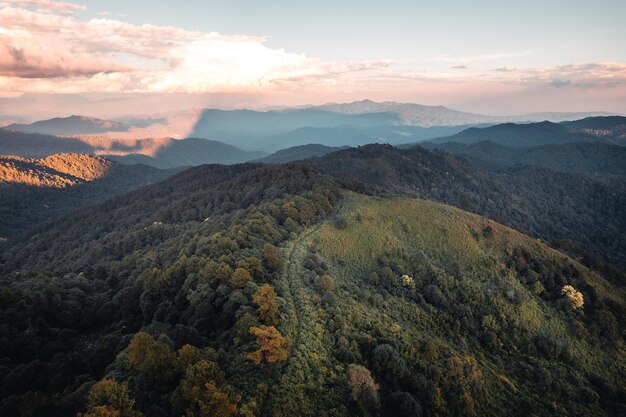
pixel 70 126
pixel 246 128
pixel 420 115
pixel 412 114
pixel 355 136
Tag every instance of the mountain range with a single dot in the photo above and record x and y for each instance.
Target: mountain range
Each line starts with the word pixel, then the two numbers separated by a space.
pixel 351 124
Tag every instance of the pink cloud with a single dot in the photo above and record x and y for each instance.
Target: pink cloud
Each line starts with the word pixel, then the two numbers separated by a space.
pixel 66 54
pixel 48 5
pixel 46 48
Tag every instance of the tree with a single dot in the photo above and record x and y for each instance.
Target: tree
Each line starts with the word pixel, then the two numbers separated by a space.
pixel 364 389
pixel 205 393
pixel 187 356
pixel 272 257
pixel 388 363
pixel 272 345
pixel 574 298
pixel 265 298
pixel 109 398
pixel 408 281
pixel 150 359
pixel 240 278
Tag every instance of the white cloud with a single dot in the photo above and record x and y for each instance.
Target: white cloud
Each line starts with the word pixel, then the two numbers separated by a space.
pixel 56 51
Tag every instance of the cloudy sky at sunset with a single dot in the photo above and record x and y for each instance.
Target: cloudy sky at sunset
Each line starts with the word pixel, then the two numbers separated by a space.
pixel 486 56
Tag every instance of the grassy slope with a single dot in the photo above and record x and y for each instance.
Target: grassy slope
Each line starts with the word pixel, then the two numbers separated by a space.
pixel 436 244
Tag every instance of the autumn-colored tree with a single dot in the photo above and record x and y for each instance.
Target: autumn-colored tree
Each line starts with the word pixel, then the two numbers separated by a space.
pixel 364 389
pixel 240 278
pixel 272 257
pixel 265 298
pixel 408 281
pixel 149 359
pixel 187 356
pixel 109 398
pixel 272 345
pixel 574 298
pixel 205 393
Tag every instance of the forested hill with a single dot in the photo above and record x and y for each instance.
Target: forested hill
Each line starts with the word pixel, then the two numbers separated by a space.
pixel 599 159
pixel 55 171
pixel 27 204
pixel 271 290
pixel 610 130
pixel 587 212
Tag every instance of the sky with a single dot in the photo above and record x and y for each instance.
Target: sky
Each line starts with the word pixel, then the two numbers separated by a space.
pixel 494 57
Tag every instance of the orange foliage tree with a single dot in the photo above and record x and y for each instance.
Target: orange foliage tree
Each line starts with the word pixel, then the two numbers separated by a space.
pixel 265 298
pixel 272 345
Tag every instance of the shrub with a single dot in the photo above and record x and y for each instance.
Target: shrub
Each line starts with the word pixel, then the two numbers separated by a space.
pixel 573 297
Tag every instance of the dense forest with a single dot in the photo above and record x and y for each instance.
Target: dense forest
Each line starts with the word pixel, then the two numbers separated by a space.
pixel 276 290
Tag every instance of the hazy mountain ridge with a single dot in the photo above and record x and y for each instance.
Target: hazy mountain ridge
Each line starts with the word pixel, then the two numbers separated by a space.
pixel 425 116
pixel 412 114
pixel 351 124
pixel 70 126
pixel 158 152
pixel 355 136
